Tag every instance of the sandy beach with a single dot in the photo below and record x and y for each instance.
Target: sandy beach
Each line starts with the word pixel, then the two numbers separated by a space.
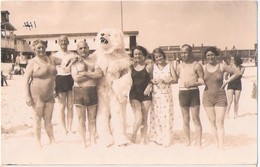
pixel 17 136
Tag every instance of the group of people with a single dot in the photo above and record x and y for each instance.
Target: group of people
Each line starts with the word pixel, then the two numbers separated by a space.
pixel 72 78
pixel 151 93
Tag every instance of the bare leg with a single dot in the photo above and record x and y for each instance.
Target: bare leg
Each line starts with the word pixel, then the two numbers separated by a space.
pixel 69 110
pixel 196 120
pixel 136 107
pixel 230 93
pixel 145 105
pixel 92 114
pixel 47 116
pixel 210 111
pixel 38 112
pixel 236 102
pixel 220 114
pixel 186 123
pixel 62 105
pixel 82 123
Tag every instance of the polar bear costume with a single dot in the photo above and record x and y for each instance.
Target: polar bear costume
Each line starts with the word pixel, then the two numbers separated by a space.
pixel 113 88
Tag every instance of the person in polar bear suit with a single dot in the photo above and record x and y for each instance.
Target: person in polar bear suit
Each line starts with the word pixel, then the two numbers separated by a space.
pixel 114 84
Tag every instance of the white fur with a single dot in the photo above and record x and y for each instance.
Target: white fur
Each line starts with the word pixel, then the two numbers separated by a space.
pixel 113 87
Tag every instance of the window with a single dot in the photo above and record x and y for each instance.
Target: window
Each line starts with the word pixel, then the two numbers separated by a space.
pixel 29 42
pixel 56 41
pixel 75 40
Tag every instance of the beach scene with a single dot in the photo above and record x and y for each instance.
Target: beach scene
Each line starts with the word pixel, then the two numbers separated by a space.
pixel 17 135
pixel 38 30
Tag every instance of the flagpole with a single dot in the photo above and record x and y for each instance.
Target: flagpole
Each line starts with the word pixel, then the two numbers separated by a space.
pixel 122 23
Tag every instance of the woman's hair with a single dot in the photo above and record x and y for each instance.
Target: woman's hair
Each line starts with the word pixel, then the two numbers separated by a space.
pixel 138 47
pixel 158 50
pixel 237 59
pixel 36 42
pixel 212 49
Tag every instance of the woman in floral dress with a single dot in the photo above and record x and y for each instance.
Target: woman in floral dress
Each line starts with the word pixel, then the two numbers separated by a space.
pixel 162 114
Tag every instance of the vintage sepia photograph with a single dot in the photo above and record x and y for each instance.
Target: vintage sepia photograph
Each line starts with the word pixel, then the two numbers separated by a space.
pixel 129 83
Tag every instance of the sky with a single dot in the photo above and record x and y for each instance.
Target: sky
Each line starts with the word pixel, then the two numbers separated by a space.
pixel 159 23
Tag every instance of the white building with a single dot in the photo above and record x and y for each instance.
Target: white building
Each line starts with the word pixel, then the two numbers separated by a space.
pixel 12 45
pixel 74 38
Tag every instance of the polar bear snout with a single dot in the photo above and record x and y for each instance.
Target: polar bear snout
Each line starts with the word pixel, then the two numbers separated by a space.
pixel 103 40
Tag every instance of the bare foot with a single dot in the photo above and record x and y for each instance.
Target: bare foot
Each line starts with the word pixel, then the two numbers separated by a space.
pixel 133 139
pixel 188 144
pixel 144 140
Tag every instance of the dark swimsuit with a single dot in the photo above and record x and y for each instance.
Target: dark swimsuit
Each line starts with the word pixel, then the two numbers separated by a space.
pixel 140 81
pixel 213 95
pixel 235 84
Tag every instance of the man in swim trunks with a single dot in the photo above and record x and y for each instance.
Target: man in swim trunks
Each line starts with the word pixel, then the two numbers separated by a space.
pixel 64 83
pixel 190 75
pixel 85 92
pixel 23 61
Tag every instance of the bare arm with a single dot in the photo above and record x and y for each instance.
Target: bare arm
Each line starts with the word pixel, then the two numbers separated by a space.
pixel 148 89
pixel 56 60
pixel 235 74
pixel 173 78
pixel 200 72
pixel 27 77
pixel 94 74
pixel 78 76
pixel 242 69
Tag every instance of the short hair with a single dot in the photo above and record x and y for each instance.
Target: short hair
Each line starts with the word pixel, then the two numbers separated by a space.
pixel 186 45
pixel 212 49
pixel 36 42
pixel 82 42
pixel 237 59
pixel 138 47
pixel 64 36
pixel 158 50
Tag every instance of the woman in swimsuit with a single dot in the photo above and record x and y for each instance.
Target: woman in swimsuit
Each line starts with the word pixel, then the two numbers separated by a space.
pixel 234 88
pixel 39 86
pixel 140 98
pixel 214 95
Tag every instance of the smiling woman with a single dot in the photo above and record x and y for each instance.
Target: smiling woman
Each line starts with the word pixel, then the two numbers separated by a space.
pixel 214 95
pixel 39 84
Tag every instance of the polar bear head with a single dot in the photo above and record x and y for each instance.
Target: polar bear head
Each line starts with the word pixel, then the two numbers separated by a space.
pixel 109 40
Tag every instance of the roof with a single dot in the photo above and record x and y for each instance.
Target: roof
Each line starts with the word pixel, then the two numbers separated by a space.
pixel 130 33
pixel 7 26
pixel 5 11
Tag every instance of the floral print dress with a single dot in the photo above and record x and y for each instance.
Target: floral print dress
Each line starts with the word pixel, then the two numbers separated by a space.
pixel 161 114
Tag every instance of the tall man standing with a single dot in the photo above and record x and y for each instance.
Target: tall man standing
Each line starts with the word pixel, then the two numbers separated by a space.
pixel 64 83
pixel 190 75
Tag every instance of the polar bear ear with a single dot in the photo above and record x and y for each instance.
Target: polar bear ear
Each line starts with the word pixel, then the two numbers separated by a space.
pixel 117 38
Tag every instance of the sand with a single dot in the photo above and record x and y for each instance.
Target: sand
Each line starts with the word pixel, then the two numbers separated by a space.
pixel 17 136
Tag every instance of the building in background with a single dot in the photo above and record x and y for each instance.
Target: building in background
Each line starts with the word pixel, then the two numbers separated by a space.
pixel 74 38
pixel 12 45
pixel 173 52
